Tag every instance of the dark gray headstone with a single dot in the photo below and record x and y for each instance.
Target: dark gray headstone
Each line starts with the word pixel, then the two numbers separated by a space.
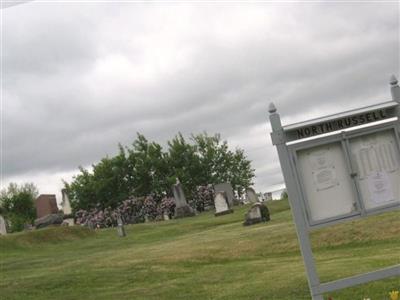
pixel 52 219
pixel 182 209
pixel 221 204
pixel 227 188
pixel 179 195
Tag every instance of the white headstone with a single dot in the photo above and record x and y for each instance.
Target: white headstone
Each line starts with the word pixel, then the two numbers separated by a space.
pixel 66 205
pixel 3 228
pixel 254 213
pixel 221 204
pixel 253 216
pixel 69 221
pixel 166 216
pixel 120 228
pixel 227 188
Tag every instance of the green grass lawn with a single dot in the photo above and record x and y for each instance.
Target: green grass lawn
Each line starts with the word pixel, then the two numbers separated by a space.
pixel 202 257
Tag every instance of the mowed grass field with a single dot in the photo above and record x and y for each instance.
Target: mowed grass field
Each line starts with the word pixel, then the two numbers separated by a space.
pixel 202 257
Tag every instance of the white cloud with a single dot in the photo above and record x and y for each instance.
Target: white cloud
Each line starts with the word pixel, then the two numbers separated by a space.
pixel 79 78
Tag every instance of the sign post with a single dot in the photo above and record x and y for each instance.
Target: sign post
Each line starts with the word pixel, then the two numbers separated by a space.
pixel 340 167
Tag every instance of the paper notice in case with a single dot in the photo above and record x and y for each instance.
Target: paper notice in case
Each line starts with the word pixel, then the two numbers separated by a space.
pixel 325 179
pixel 324 174
pixel 380 187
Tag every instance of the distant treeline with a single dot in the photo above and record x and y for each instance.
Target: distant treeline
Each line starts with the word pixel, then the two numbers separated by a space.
pixel 145 168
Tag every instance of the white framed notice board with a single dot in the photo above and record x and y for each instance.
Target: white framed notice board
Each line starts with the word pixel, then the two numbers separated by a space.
pixel 349 174
pixel 337 168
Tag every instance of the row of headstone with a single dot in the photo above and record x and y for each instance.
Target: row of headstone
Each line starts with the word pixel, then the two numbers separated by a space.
pixel 47 211
pixel 224 193
pixel 227 188
pixel 251 195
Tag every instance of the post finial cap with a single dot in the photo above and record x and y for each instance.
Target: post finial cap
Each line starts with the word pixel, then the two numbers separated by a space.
pixel 393 80
pixel 271 108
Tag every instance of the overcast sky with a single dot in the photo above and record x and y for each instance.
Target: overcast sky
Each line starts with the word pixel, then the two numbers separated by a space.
pixel 78 78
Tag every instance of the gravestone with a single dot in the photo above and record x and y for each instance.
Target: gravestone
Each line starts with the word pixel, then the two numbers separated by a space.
pixel 166 216
pixel 69 222
pixel 120 228
pixel 65 204
pixel 47 220
pixel 257 213
pixel 227 188
pixel 66 207
pixel 28 227
pixel 221 204
pixel 3 227
pixel 90 225
pixel 251 196
pixel 46 205
pixel 182 209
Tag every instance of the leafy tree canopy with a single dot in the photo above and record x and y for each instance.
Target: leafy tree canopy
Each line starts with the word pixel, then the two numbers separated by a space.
pixel 17 204
pixel 145 168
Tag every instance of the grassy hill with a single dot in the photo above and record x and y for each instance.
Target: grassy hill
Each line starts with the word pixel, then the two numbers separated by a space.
pixel 202 257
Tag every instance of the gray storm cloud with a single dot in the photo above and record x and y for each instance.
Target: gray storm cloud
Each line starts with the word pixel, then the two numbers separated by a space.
pixel 80 78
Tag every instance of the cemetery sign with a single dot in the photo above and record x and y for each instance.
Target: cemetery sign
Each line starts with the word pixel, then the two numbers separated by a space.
pixel 340 167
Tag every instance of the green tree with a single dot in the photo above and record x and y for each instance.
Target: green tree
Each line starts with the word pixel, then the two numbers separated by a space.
pixel 81 191
pixel 184 163
pixel 17 204
pixel 148 166
pixel 107 185
pixel 145 169
pixel 219 164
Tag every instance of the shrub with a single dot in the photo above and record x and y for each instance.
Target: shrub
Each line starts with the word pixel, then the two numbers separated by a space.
pixel 131 210
pixel 203 198
pixel 149 209
pixel 17 205
pixel 167 206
